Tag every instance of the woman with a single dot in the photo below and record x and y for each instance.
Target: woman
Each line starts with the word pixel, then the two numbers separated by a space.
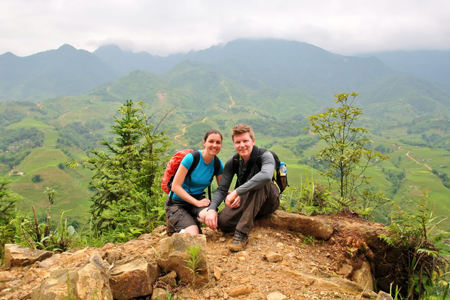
pixel 186 204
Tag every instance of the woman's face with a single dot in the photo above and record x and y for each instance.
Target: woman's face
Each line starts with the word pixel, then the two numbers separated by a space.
pixel 213 144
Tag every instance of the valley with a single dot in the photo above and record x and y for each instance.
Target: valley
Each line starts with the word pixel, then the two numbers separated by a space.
pixel 408 119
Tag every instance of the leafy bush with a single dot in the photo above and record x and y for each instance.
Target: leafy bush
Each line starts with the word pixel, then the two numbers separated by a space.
pixel 416 235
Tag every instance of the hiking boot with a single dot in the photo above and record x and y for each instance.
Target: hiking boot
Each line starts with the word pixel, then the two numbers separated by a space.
pixel 239 241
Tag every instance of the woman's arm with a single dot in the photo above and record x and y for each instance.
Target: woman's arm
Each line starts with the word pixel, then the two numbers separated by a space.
pixel 218 179
pixel 178 180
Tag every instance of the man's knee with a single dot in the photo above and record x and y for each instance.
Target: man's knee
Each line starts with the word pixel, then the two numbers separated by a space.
pixel 224 225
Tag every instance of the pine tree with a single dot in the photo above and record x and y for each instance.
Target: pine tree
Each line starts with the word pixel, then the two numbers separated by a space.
pixel 126 172
pixel 7 201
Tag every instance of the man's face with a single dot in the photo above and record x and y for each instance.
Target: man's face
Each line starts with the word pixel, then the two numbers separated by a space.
pixel 243 145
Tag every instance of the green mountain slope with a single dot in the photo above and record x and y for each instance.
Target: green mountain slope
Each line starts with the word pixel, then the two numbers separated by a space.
pixel 61 72
pixel 200 98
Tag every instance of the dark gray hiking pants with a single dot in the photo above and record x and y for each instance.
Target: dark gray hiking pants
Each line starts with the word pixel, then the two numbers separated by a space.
pixel 254 205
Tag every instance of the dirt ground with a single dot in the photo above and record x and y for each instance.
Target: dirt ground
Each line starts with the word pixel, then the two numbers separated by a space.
pixel 290 254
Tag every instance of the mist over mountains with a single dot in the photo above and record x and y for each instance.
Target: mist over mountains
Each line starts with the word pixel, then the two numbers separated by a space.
pixel 417 81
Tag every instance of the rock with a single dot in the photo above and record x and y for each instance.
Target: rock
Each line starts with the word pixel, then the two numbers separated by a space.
pixel 133 279
pixel 19 256
pixel 244 290
pixel 91 281
pixel 273 257
pixel 112 256
pixel 276 296
pixel 159 294
pixel 296 222
pixel 170 279
pixel 161 230
pixel 218 272
pixel 107 246
pixel 370 234
pixel 333 283
pixel 5 280
pixel 383 296
pixel 363 276
pixel 87 282
pixel 51 262
pixel 173 256
pixel 78 258
pixel 345 270
pixel 244 280
pixel 55 287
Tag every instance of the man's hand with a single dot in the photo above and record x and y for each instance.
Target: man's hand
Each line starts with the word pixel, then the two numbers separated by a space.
pixel 211 219
pixel 203 203
pixel 233 200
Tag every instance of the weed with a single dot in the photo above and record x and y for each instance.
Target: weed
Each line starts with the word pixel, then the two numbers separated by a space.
pixel 412 232
pixel 352 251
pixel 169 296
pixel 309 240
pixel 194 259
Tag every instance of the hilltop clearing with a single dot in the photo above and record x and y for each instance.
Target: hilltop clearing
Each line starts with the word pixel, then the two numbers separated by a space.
pixel 277 262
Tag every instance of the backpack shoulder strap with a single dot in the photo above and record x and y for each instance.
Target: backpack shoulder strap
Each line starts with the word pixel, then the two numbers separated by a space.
pixel 259 158
pixel 216 165
pixel 195 162
pixel 236 163
pixel 196 155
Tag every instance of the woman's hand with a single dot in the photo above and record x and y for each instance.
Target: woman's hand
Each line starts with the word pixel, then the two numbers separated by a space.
pixel 203 203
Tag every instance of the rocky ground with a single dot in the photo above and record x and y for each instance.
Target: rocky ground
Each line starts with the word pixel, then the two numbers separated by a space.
pixel 277 263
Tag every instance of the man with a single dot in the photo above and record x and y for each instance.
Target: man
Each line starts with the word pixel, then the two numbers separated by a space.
pixel 255 194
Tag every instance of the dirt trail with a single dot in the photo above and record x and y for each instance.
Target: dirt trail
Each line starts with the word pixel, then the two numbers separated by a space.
pixel 178 136
pixel 427 166
pixel 228 93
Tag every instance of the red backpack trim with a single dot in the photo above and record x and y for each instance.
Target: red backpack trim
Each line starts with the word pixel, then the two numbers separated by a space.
pixel 171 169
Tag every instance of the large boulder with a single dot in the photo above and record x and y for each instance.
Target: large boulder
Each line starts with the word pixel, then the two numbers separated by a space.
pixel 299 223
pixel 174 254
pixel 133 279
pixel 85 283
pixel 19 256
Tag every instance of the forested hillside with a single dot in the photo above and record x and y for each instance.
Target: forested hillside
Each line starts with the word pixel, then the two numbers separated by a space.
pixel 272 85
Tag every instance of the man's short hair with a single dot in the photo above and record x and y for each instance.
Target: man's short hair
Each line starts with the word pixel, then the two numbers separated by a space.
pixel 242 128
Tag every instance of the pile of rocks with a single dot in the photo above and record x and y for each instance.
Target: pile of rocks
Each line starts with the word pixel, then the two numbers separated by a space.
pixel 155 265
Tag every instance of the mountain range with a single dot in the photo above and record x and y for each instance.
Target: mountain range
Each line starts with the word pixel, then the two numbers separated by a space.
pixel 71 96
pixel 412 81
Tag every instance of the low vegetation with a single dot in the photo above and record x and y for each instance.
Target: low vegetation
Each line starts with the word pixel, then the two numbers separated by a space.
pixel 126 200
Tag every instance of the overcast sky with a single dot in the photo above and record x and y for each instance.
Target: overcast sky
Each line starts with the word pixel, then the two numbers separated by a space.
pixel 165 26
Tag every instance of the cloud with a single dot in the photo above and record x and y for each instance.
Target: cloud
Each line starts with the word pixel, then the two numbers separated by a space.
pixel 166 27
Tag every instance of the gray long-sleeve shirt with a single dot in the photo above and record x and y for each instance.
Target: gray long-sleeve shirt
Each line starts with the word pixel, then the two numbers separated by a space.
pixel 257 178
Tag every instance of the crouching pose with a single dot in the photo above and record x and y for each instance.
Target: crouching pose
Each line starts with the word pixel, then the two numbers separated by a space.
pixel 255 194
pixel 186 204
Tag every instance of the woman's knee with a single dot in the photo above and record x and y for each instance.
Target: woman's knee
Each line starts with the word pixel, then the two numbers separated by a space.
pixel 192 230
